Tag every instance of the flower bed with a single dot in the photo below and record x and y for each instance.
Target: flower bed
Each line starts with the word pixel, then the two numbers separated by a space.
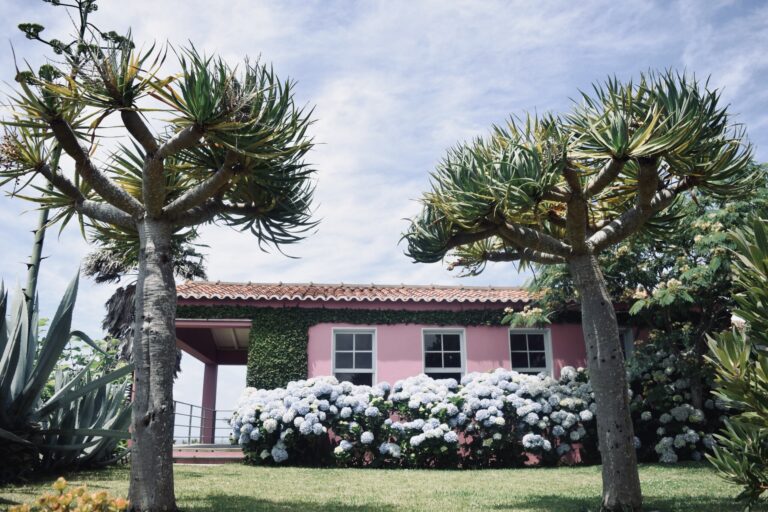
pixel 495 419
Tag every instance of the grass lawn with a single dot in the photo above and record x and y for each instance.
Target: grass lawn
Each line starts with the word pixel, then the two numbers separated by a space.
pixel 688 487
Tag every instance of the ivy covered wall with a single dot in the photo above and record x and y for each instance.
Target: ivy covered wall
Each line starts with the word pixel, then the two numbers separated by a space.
pixel 277 351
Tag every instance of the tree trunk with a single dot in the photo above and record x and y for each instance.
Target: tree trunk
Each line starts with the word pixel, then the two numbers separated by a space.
pixel 154 357
pixel 621 482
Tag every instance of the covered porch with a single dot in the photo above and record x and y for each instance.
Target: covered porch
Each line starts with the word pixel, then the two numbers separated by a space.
pixel 214 343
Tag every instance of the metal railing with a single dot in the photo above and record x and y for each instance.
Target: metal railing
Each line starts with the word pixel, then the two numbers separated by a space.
pixel 193 424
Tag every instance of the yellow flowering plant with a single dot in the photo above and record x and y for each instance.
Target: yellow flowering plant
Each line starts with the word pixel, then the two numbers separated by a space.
pixel 78 499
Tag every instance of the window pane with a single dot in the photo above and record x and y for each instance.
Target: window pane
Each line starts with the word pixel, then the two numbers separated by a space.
pixel 344 360
pixel 517 342
pixel 456 376
pixel 433 360
pixel 535 342
pixel 431 342
pixel 452 360
pixel 344 341
pixel 451 342
pixel 363 360
pixel 364 341
pixel 358 379
pixel 538 360
pixel 519 360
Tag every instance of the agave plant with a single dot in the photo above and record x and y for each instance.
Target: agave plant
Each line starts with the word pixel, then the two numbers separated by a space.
pixel 741 363
pixel 82 412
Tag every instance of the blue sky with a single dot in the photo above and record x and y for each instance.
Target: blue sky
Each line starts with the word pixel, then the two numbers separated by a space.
pixel 394 83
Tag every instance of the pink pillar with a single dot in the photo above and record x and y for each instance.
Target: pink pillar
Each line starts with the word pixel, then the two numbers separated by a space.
pixel 209 403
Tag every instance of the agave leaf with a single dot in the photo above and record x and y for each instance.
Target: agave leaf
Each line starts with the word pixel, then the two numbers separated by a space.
pixel 11 382
pixel 92 432
pixel 10 436
pixel 87 339
pixel 71 394
pixel 56 339
pixel 3 325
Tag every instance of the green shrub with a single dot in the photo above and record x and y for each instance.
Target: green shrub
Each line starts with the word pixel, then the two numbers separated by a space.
pixel 741 361
pixel 668 421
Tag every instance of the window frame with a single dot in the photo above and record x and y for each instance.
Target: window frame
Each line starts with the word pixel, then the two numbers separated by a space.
pixel 354 330
pixel 627 337
pixel 462 332
pixel 548 357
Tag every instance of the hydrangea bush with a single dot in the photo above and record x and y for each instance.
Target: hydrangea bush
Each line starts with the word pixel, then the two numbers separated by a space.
pixel 500 418
pixel 670 428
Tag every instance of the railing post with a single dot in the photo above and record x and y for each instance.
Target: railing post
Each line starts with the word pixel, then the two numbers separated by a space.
pixel 189 429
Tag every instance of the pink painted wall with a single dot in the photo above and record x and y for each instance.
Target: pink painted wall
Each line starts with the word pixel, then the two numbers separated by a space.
pixel 567 346
pixel 399 352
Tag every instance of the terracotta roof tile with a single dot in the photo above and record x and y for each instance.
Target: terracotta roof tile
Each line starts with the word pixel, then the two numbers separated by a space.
pixel 350 292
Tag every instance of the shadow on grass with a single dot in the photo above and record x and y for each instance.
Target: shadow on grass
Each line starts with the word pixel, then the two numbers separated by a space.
pixel 218 502
pixel 562 503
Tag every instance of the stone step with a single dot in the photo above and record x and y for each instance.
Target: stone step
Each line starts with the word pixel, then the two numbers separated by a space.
pixel 206 448
pixel 208 456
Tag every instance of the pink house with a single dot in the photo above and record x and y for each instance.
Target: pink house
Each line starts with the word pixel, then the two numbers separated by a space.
pixel 425 339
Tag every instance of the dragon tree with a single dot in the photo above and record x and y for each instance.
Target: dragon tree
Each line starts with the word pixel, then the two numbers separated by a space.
pixel 561 189
pixel 146 158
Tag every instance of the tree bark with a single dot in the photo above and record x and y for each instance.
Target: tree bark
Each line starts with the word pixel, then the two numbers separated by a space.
pixel 154 357
pixel 621 483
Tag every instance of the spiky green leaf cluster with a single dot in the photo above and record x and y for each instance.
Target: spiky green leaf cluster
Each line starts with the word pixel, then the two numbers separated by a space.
pixel 244 115
pixel 741 360
pixel 53 427
pixel 517 174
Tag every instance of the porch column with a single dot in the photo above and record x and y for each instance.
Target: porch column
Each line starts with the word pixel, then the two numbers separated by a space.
pixel 208 420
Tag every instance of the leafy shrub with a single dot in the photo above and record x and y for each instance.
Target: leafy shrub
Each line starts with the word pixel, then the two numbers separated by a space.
pixel 669 427
pixel 488 420
pixel 73 500
pixel 741 361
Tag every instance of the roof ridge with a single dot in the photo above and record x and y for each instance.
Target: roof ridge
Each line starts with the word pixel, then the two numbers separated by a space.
pixel 189 283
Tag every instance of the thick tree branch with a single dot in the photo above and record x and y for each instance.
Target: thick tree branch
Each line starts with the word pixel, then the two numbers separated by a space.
pixel 98 211
pixel 105 213
pixel 186 138
pixel 576 213
pixel 633 219
pixel 153 173
pixel 556 194
pixel 647 181
pixel 573 180
pixel 198 215
pixel 523 254
pixel 105 187
pixel 139 130
pixel 206 189
pixel 524 237
pixel 604 177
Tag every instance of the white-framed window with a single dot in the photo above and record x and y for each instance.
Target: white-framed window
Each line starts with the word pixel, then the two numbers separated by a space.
pixel 530 350
pixel 627 338
pixel 354 355
pixel 444 353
